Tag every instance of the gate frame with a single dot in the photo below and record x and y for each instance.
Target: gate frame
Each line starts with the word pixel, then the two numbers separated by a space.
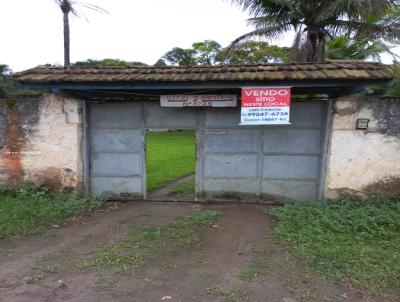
pixel 327 117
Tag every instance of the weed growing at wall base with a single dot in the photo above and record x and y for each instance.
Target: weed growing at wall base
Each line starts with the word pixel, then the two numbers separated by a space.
pixel 29 210
pixel 348 239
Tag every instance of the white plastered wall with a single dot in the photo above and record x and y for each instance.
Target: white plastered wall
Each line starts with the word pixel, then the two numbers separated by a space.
pixel 364 161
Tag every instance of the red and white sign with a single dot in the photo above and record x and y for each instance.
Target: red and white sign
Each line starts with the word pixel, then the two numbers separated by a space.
pixel 265 106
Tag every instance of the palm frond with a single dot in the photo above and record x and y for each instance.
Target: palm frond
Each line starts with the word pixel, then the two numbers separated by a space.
pixel 93 7
pixel 271 32
pixel 259 8
pixel 69 6
pixel 361 29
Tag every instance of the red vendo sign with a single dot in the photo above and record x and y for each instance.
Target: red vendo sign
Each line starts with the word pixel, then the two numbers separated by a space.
pixel 265 105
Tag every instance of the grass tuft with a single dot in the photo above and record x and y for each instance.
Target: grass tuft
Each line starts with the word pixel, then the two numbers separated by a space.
pixel 348 239
pixel 257 267
pixel 228 294
pixel 187 187
pixel 30 209
pixel 129 254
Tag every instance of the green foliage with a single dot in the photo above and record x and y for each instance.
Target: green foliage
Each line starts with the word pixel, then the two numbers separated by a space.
pixel 31 209
pixel 108 62
pixel 394 86
pixel 9 89
pixel 4 70
pixel 346 47
pixel 206 52
pixel 170 156
pixel 316 21
pixel 180 56
pixel 129 254
pixel 257 52
pixel 209 52
pixel 348 239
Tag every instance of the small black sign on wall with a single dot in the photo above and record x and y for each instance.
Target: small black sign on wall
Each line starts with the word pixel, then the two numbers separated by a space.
pixel 362 124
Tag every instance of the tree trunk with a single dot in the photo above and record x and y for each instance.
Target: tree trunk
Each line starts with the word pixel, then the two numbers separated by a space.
pixel 315 46
pixel 66 40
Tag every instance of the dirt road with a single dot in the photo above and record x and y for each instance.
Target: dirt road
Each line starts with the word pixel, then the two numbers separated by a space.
pixel 236 259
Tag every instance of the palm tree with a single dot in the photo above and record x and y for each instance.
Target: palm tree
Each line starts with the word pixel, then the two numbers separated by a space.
pixel 67 7
pixel 346 47
pixel 316 21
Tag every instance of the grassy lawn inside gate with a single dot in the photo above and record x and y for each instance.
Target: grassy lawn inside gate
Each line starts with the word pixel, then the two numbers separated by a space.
pixel 170 155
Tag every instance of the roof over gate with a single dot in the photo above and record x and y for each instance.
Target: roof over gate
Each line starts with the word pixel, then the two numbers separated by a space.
pixel 219 73
pixel 329 79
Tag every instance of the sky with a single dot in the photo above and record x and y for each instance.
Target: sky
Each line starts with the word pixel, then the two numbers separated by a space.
pixel 134 30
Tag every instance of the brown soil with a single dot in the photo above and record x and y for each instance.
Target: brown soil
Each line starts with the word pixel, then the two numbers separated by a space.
pixel 43 267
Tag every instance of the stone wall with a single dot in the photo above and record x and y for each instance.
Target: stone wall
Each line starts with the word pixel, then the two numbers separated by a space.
pixel 364 161
pixel 40 141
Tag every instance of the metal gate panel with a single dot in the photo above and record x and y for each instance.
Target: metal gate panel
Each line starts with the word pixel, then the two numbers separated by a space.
pixel 169 117
pixel 231 141
pixel 231 156
pixel 117 163
pixel 104 138
pixel 291 141
pixel 290 167
pixel 115 115
pixel 222 117
pixel 241 189
pixel 117 150
pixel 307 114
pixel 254 163
pixel 231 165
pixel 248 163
pixel 288 190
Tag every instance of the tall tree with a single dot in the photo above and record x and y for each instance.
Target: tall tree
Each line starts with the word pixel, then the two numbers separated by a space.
pixel 180 56
pixel 8 88
pixel 315 21
pixel 68 7
pixel 210 52
pixel 109 63
pixel 256 52
pixel 206 52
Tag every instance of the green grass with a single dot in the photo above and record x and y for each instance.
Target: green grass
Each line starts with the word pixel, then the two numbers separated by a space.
pixel 348 239
pixel 187 187
pixel 257 267
pixel 129 254
pixel 31 210
pixel 228 294
pixel 170 156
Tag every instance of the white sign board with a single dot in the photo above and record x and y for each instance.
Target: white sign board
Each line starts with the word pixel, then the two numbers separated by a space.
pixel 265 106
pixel 206 100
